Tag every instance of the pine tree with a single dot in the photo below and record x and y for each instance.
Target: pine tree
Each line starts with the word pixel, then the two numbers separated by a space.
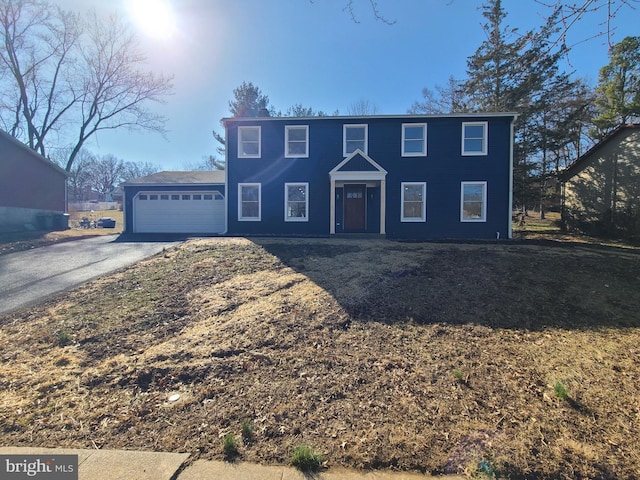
pixel 618 91
pixel 513 72
pixel 249 101
pixel 494 69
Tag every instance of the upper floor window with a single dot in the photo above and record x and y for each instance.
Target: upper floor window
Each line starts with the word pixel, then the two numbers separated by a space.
pixel 414 205
pixel 249 201
pixel 249 142
pixel 296 205
pixel 296 141
pixel 474 138
pixel 414 139
pixel 473 202
pixel 354 137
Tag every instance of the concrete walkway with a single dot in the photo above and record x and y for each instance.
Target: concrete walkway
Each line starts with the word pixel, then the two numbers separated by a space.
pixel 129 465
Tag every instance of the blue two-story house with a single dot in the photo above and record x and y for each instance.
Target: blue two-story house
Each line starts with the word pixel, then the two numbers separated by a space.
pixel 406 177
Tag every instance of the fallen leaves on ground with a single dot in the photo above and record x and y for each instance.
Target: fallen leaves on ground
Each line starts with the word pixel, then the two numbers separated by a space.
pixel 430 357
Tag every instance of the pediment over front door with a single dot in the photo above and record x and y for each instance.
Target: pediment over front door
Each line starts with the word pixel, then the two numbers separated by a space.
pixel 353 174
pixel 358 166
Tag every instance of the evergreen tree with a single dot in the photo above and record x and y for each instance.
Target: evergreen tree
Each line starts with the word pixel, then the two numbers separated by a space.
pixel 494 69
pixel 513 72
pixel 249 101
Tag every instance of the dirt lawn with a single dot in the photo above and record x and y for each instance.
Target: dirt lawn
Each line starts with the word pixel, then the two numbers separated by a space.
pixel 432 357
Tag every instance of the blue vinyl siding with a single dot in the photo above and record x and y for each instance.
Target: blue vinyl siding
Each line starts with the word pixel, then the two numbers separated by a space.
pixel 443 170
pixel 373 209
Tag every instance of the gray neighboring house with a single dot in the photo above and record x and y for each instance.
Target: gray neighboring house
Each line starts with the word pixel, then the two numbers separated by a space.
pixel 33 190
pixel 601 189
pixel 176 202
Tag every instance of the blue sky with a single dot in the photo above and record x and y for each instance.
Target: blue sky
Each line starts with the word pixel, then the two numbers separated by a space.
pixel 311 52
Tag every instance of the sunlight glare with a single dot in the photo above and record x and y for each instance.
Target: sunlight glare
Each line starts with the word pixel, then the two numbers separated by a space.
pixel 154 17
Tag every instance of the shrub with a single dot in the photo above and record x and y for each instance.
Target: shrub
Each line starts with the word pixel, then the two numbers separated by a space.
pixel 247 431
pixel 561 391
pixel 230 447
pixel 304 458
pixel 63 338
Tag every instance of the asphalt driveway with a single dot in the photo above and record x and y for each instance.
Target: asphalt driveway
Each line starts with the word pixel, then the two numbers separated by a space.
pixel 29 277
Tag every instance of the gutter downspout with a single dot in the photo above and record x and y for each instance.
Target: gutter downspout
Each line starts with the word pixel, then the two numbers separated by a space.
pixel 510 212
pixel 226 181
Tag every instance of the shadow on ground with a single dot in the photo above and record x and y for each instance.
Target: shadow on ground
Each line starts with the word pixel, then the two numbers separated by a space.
pixel 521 284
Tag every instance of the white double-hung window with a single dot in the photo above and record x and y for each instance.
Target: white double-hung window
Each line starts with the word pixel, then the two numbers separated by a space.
pixel 414 202
pixel 296 141
pixel 249 208
pixel 296 202
pixel 355 137
pixel 474 138
pixel 414 139
pixel 473 202
pixel 249 142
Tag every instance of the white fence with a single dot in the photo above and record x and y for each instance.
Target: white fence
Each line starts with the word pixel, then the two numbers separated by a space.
pixel 88 206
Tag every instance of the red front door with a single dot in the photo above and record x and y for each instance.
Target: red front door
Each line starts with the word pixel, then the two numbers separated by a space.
pixel 355 197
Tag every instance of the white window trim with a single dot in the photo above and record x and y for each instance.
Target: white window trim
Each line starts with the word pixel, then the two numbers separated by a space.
pixel 423 153
pixel 345 127
pixel 485 138
pixel 423 217
pixel 249 219
pixel 484 202
pixel 286 202
pixel 240 149
pixel 286 141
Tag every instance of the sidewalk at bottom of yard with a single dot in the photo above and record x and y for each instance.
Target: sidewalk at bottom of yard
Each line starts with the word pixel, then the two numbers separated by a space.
pixel 138 465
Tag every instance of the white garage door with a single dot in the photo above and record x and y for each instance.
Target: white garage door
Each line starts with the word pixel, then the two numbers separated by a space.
pixel 179 212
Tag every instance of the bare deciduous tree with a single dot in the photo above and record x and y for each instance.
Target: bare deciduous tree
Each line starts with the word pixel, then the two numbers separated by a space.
pixel 373 4
pixel 63 79
pixel 104 173
pixel 131 170
pixel 38 55
pixel 362 107
pixel 567 14
pixel 450 98
pixel 79 181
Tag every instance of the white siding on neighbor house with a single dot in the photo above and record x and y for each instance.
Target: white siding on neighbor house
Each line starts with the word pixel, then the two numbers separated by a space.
pixel 179 212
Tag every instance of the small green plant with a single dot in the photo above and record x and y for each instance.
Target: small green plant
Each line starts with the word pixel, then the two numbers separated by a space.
pixel 63 338
pixel 457 374
pixel 230 447
pixel 304 458
pixel 561 391
pixel 247 432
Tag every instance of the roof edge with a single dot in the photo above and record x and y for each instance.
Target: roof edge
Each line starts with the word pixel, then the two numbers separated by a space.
pixel 127 184
pixel 33 153
pixel 566 173
pixel 513 115
pixel 165 183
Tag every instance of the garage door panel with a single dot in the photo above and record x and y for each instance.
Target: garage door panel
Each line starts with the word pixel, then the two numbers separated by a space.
pixel 171 212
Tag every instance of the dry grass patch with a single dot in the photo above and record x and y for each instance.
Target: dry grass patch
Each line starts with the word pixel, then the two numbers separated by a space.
pixel 431 357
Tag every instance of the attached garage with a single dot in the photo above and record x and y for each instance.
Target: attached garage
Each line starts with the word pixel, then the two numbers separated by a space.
pixel 176 202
